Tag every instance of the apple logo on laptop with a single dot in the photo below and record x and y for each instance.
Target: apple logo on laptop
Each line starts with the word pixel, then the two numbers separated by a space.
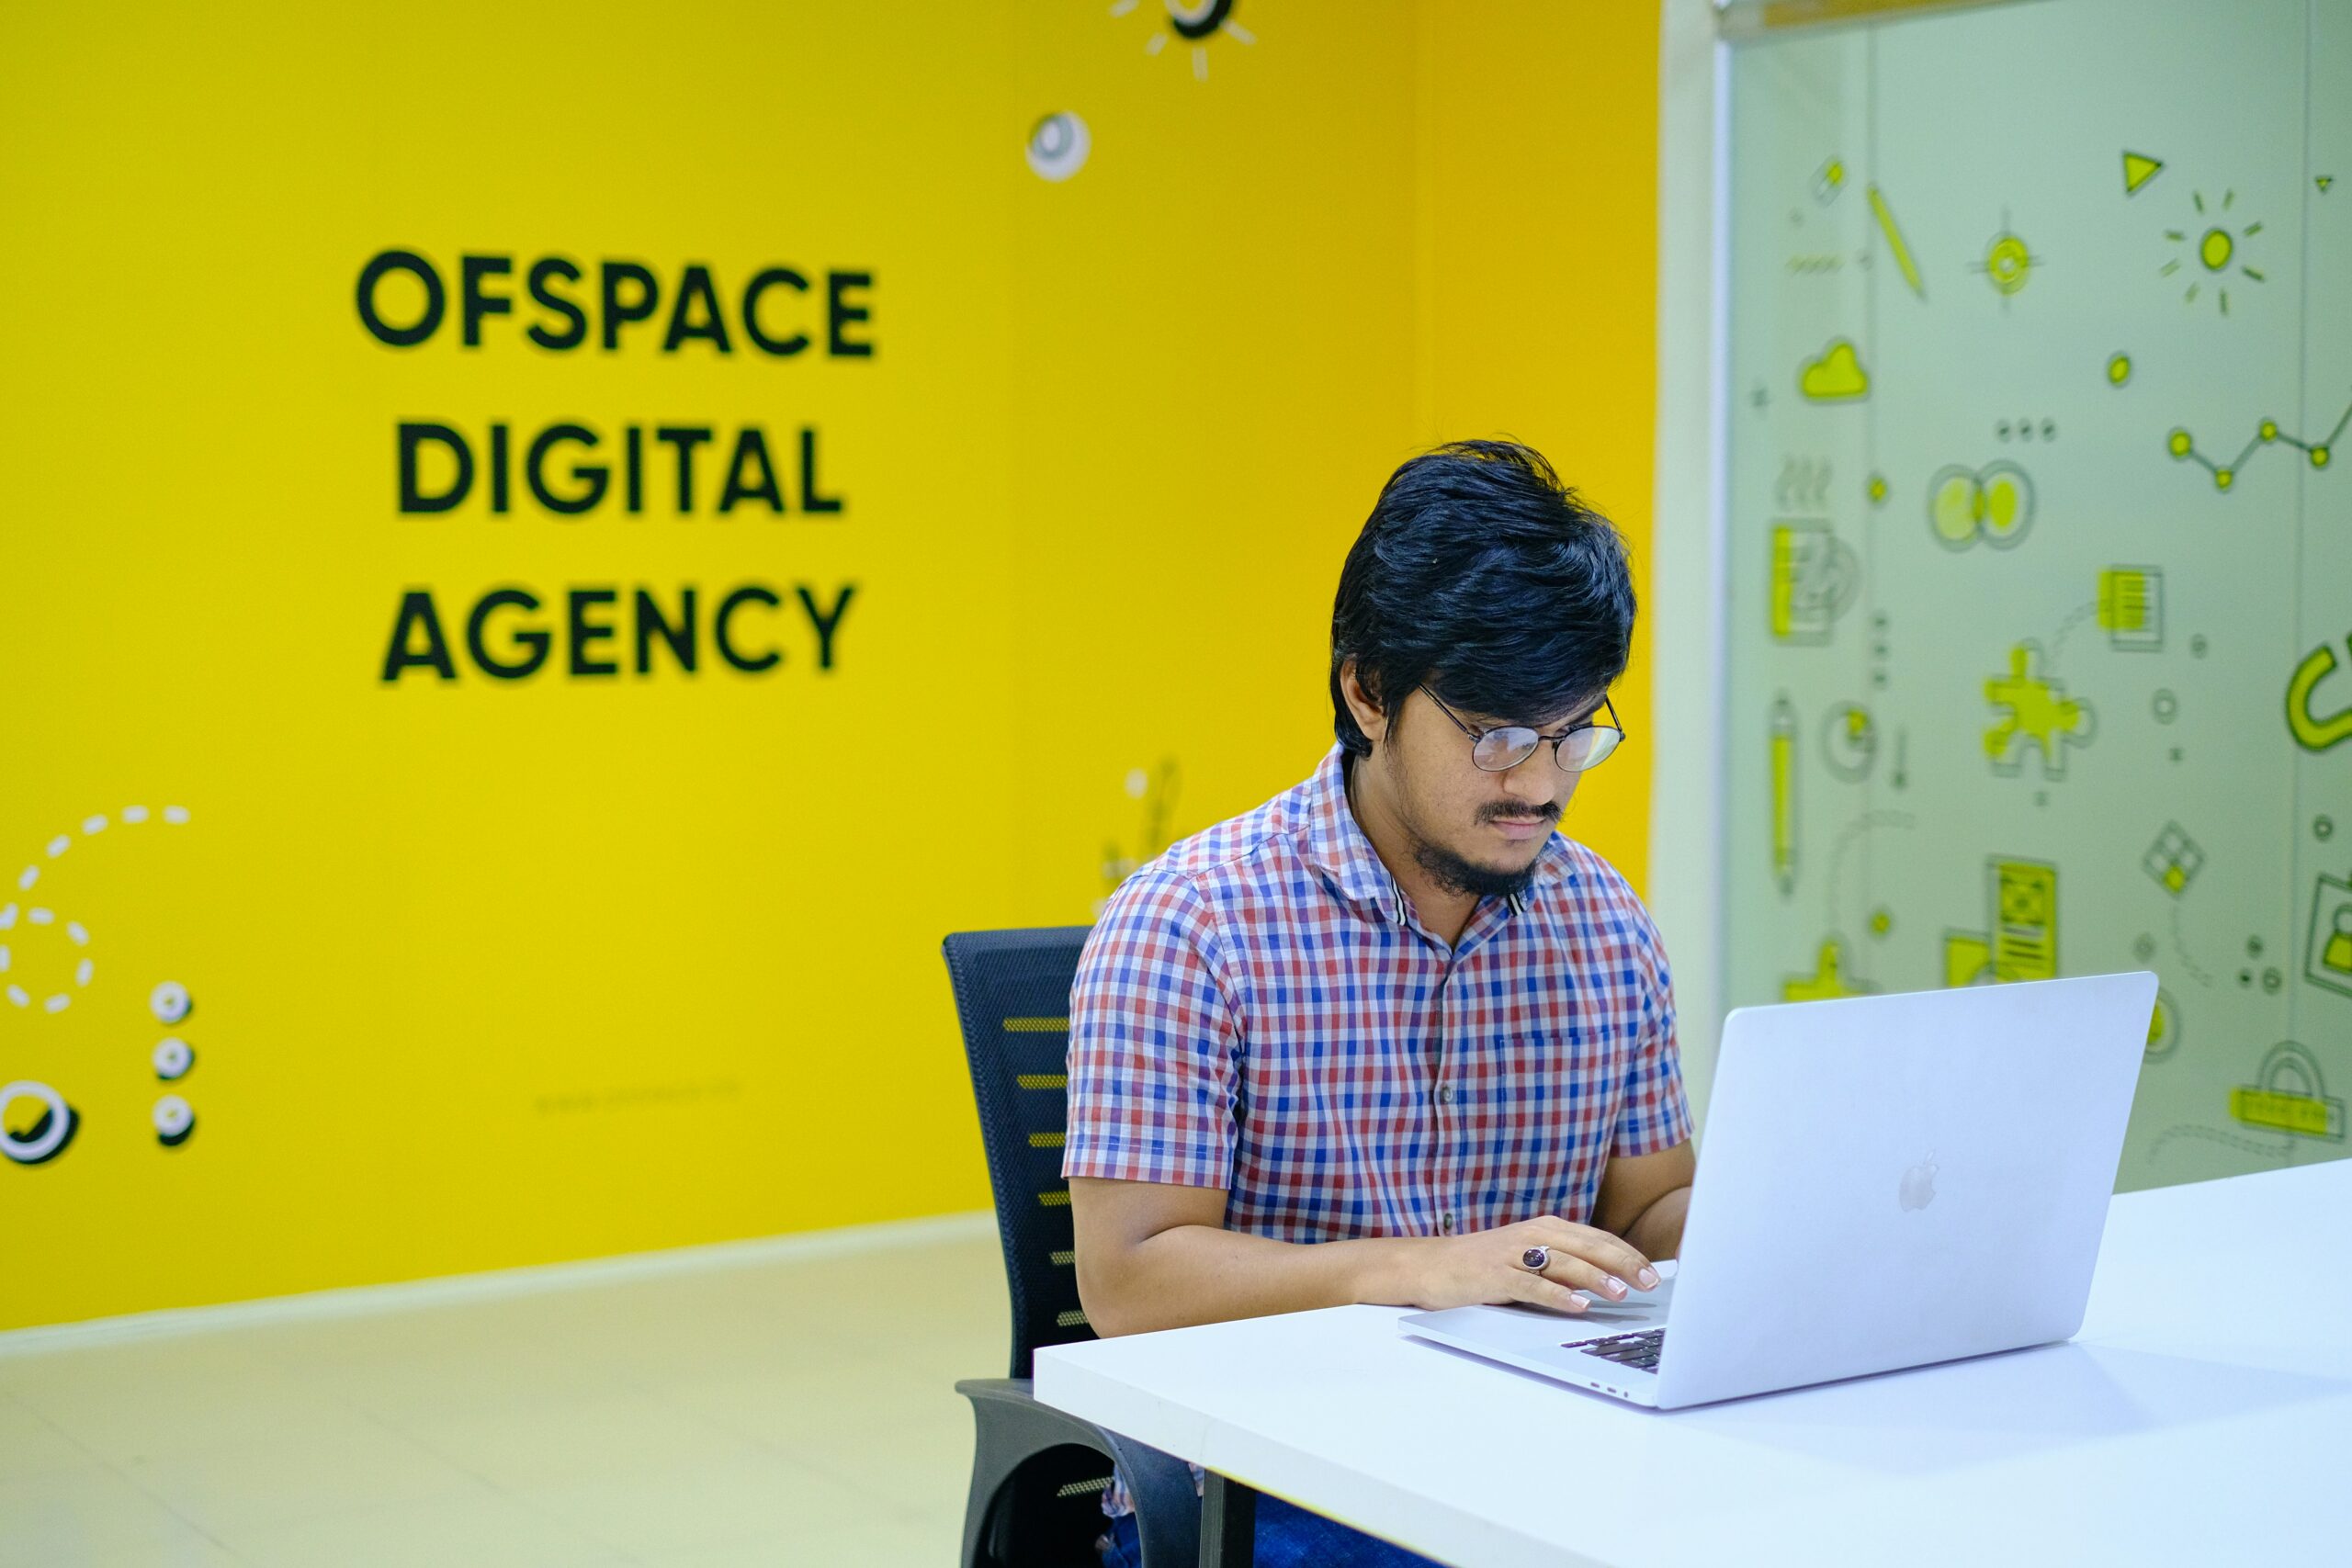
pixel 1918 1188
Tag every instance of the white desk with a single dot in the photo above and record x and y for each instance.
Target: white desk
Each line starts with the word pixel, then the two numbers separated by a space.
pixel 2203 1415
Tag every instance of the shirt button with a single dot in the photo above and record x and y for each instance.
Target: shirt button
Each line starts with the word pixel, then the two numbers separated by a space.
pixel 1445 1226
pixel 1445 1094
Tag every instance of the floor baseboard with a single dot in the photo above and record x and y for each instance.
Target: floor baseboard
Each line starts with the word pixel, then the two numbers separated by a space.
pixel 361 1300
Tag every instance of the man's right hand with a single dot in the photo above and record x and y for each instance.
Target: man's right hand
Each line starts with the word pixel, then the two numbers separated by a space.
pixel 1489 1268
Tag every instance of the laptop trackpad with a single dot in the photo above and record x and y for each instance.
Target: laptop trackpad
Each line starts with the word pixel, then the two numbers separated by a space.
pixel 1640 1309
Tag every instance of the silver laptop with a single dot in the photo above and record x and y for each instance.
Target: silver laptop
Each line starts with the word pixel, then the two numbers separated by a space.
pixel 1886 1182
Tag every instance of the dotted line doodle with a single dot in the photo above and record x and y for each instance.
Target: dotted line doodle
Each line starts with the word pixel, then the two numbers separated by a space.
pixel 42 915
pixel 2280 1152
pixel 2196 972
pixel 1866 823
pixel 2065 629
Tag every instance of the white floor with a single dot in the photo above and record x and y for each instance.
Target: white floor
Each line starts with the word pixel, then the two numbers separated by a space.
pixel 799 1411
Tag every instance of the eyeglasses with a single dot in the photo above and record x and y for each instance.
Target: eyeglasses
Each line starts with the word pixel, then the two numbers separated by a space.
pixel 1582 746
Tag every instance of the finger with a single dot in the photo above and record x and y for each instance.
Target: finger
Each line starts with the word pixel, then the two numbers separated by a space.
pixel 1585 1274
pixel 1529 1286
pixel 1613 1253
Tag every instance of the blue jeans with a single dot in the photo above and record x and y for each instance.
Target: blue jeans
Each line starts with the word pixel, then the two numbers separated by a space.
pixel 1288 1536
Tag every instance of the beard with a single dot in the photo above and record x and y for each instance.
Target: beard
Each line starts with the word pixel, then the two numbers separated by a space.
pixel 1457 874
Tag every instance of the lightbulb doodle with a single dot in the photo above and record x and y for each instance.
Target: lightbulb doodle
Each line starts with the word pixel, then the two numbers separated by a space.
pixel 2319 454
pixel 1192 23
pixel 37 1122
pixel 2211 251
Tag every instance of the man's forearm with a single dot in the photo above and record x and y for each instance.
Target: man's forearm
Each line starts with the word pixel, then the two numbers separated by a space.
pixel 1191 1274
pixel 1657 1231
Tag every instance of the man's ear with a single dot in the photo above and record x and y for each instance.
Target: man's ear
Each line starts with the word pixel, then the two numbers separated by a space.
pixel 1361 705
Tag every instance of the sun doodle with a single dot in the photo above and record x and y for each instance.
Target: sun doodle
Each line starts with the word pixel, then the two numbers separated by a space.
pixel 2212 251
pixel 1191 22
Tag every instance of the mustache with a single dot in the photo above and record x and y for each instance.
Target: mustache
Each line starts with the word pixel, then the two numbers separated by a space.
pixel 1500 812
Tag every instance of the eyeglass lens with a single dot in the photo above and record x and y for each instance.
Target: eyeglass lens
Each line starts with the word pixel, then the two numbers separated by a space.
pixel 1499 749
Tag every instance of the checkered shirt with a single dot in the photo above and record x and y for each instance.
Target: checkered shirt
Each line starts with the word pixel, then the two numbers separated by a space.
pixel 1259 1009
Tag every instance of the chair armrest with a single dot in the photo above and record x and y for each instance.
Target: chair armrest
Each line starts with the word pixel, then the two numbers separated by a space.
pixel 1167 1499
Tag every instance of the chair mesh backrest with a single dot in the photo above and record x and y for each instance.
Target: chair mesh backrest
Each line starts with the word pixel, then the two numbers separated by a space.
pixel 1013 997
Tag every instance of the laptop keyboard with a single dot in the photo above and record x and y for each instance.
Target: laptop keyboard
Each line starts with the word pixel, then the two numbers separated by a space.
pixel 1638 1349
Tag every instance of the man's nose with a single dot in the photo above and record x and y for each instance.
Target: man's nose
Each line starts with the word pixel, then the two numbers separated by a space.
pixel 1537 781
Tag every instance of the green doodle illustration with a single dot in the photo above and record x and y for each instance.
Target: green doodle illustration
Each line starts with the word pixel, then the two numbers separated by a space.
pixel 1837 377
pixel 2008 263
pixel 2040 717
pixel 2174 859
pixel 2318 454
pixel 2314 731
pixel 1994 504
pixel 2211 251
pixel 2020 938
pixel 1849 742
pixel 2289 1096
pixel 1813 579
pixel 1829 180
pixel 2327 944
pixel 1782 752
pixel 2123 270
pixel 1829 980
pixel 2164 1028
pixel 2132 608
pixel 1896 245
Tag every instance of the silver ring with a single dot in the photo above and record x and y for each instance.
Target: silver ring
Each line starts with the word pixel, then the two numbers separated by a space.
pixel 1534 1258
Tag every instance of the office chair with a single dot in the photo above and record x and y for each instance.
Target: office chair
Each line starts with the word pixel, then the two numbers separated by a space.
pixel 1039 1475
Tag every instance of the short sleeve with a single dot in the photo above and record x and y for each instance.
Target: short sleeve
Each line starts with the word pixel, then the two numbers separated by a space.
pixel 1153 1074
pixel 1652 1113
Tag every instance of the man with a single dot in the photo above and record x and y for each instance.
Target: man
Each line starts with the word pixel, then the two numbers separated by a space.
pixel 1388 1038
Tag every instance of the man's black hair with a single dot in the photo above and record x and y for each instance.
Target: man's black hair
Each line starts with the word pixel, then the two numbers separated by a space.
pixel 1483 577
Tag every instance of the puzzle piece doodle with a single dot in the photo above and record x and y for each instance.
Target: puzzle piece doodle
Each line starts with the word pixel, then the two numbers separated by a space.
pixel 2040 717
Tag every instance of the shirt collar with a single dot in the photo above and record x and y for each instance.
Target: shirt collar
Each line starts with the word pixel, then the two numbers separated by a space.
pixel 1336 846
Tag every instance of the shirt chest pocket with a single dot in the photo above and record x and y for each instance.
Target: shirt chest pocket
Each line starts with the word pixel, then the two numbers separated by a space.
pixel 1547 1099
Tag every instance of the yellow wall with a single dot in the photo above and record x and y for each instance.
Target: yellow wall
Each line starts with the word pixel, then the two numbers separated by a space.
pixel 496 973
pixel 1537 171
